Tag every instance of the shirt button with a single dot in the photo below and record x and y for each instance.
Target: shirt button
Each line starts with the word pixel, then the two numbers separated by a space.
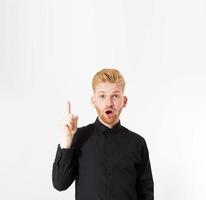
pixel 105 169
pixel 109 172
pixel 109 139
pixel 110 192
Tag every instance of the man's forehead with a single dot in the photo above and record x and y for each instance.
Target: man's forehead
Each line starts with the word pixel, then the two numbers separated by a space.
pixel 106 85
pixel 104 91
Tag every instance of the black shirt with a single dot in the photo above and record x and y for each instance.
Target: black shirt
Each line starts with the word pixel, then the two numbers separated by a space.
pixel 106 164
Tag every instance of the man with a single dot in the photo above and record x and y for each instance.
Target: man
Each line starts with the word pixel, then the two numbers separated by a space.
pixel 106 160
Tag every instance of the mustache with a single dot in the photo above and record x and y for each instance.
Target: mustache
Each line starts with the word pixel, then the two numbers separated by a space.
pixel 108 109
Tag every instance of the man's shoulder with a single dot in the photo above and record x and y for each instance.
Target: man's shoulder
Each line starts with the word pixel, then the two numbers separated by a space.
pixel 136 137
pixel 82 134
pixel 85 128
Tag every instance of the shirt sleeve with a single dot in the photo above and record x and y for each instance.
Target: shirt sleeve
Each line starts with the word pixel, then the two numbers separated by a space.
pixel 64 169
pixel 145 184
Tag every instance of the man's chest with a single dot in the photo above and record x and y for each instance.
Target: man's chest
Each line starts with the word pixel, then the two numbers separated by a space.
pixel 108 151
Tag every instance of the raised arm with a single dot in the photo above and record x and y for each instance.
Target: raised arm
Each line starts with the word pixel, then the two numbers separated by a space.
pixel 65 165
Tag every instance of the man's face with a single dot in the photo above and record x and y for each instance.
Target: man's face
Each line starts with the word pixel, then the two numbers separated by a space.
pixel 109 101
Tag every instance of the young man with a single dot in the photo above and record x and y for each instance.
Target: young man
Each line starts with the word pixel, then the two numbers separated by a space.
pixel 106 160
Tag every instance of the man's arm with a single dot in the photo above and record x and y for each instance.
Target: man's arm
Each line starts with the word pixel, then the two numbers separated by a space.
pixel 145 184
pixel 65 164
pixel 64 169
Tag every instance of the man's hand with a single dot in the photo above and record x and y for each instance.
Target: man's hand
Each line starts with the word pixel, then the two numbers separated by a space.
pixel 69 128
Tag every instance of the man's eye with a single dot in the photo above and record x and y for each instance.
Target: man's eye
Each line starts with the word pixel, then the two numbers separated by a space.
pixel 115 96
pixel 102 96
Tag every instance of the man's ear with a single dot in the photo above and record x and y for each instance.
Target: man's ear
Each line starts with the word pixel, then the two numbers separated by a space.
pixel 125 101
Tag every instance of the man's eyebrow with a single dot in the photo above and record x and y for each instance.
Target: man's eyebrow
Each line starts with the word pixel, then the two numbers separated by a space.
pixel 116 91
pixel 101 91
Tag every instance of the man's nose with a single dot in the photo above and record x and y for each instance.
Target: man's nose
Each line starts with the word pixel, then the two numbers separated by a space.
pixel 109 102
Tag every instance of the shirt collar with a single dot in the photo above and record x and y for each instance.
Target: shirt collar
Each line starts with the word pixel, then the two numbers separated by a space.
pixel 104 129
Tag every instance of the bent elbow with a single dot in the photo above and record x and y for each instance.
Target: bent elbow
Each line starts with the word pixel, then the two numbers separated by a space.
pixel 62 184
pixel 59 186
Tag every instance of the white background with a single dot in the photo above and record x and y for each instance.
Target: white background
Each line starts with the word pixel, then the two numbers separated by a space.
pixel 49 52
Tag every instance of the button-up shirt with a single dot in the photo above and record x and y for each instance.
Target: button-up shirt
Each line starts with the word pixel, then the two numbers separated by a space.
pixel 106 164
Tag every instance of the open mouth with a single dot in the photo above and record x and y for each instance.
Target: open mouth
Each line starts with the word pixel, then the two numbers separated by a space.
pixel 109 112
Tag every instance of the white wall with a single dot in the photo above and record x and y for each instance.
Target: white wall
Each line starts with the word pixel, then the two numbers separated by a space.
pixel 49 52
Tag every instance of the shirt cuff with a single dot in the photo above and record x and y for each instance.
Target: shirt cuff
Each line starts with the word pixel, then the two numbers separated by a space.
pixel 64 153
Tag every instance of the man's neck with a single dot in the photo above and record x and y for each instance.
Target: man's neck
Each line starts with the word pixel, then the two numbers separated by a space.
pixel 109 125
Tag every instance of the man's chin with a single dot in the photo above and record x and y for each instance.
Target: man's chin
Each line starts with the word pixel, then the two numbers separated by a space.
pixel 108 120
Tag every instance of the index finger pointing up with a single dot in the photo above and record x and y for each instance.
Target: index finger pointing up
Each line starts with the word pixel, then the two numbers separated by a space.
pixel 69 107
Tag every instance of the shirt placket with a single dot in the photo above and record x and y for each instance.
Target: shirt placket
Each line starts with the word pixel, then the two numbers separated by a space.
pixel 108 164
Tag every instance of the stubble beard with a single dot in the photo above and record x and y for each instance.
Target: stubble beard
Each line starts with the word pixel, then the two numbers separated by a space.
pixel 107 119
